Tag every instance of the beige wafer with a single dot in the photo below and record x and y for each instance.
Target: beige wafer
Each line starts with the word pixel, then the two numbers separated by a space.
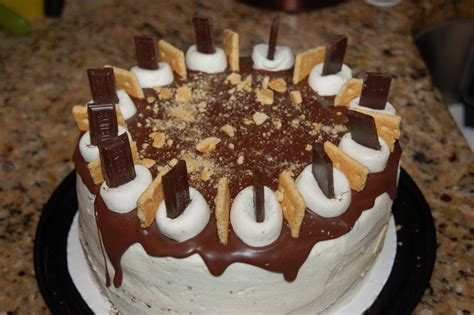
pixel 292 202
pixel 355 172
pixel 174 57
pixel 82 120
pixel 96 170
pixel 349 91
pixel 388 126
pixel 222 202
pixel 306 61
pixel 150 200
pixel 231 48
pixel 127 81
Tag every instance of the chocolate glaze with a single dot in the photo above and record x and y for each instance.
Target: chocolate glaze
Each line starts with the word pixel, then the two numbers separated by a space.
pixel 284 149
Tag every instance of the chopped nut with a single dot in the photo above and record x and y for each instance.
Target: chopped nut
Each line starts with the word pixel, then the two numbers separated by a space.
pixel 158 139
pixel 278 85
pixel 148 163
pixel 277 123
pixel 245 85
pixel 309 147
pixel 165 93
pixel 295 97
pixel 247 121
pixel 150 99
pixel 240 160
pixel 206 175
pixel 265 96
pixel 259 118
pixel 233 78
pixel 183 94
pixel 169 142
pixel 181 113
pixel 231 146
pixel 145 145
pixel 317 127
pixel 229 130
pixel 207 145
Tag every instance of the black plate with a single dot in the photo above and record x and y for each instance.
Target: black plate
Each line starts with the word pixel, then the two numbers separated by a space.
pixel 410 276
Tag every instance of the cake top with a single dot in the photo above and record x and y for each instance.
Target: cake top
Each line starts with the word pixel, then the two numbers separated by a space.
pixel 227 124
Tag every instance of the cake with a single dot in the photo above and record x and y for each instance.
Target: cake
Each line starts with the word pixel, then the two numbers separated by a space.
pixel 208 182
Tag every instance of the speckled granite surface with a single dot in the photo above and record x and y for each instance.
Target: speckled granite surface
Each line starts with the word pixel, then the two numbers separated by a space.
pixel 43 76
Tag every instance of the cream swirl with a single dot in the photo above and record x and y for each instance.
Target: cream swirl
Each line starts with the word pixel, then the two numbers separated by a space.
pixel 317 201
pixel 244 224
pixel 331 84
pixel 152 78
pixel 89 151
pixel 209 63
pixel 374 160
pixel 190 223
pixel 283 59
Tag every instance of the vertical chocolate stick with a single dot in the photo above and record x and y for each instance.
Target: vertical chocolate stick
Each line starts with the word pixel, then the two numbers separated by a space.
pixel 323 172
pixel 363 129
pixel 176 190
pixel 116 161
pixel 272 42
pixel 335 52
pixel 375 90
pixel 203 33
pixel 102 122
pixel 258 195
pixel 145 51
pixel 102 84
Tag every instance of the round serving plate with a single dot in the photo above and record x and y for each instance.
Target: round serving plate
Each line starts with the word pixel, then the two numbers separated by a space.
pixel 406 283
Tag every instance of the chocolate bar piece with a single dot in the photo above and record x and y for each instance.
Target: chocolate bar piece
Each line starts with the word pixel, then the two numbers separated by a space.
pixel 273 38
pixel 176 190
pixel 335 52
pixel 102 122
pixel 203 33
pixel 258 195
pixel 363 129
pixel 375 90
pixel 102 84
pixel 322 171
pixel 116 161
pixel 145 51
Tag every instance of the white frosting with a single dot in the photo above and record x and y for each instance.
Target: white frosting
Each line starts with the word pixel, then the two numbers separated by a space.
pixel 242 218
pixel 328 84
pixel 317 201
pixel 209 63
pixel 337 264
pixel 389 109
pixel 127 107
pixel 123 199
pixel 375 160
pixel 283 59
pixel 151 78
pixel 91 152
pixel 190 223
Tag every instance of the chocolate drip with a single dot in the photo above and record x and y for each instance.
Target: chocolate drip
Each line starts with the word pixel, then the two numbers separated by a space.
pixel 273 38
pixel 120 231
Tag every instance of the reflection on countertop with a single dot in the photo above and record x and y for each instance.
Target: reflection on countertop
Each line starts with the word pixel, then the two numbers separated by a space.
pixel 43 76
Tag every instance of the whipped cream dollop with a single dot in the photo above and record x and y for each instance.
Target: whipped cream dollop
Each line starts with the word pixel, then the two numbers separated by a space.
pixel 389 109
pixel 244 224
pixel 331 84
pixel 89 151
pixel 283 59
pixel 127 107
pixel 209 63
pixel 190 223
pixel 374 160
pixel 152 78
pixel 317 201
pixel 123 199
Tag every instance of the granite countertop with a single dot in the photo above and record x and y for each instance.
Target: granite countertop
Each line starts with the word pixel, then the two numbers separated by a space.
pixel 42 76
